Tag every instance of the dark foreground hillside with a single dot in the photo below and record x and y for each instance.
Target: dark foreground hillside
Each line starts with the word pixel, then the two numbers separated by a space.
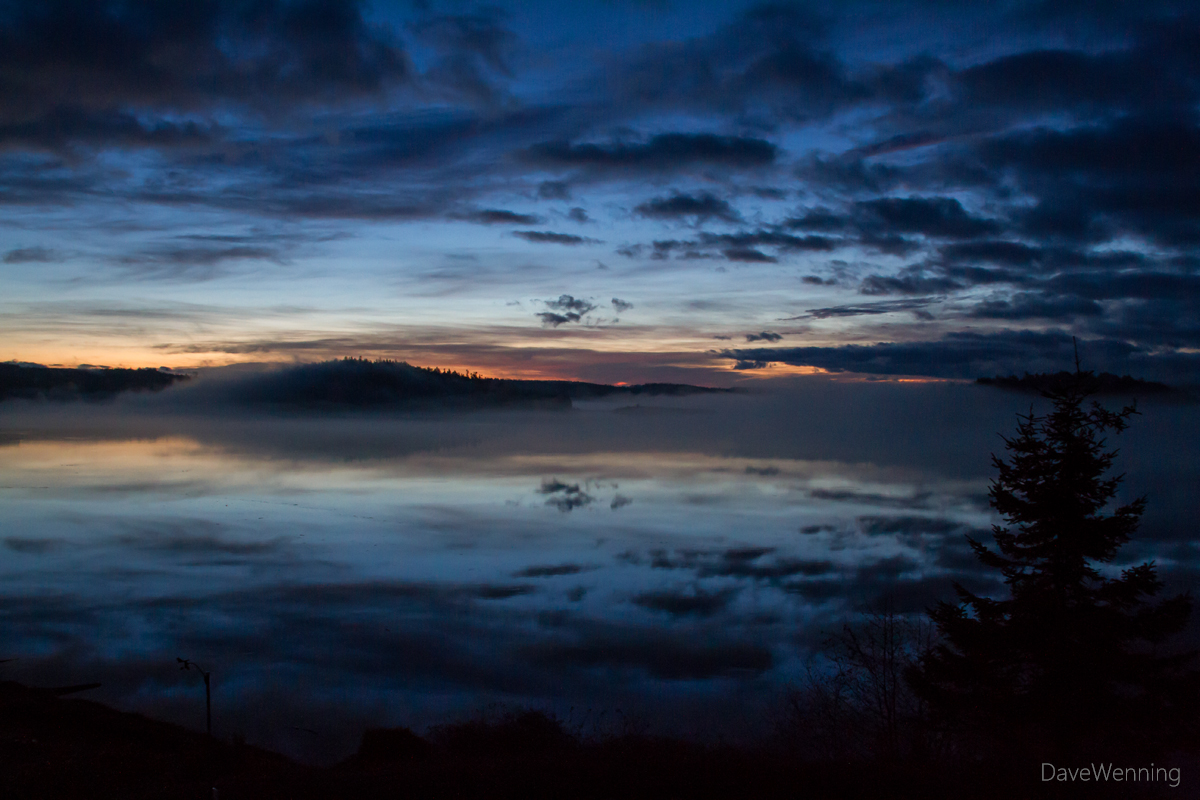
pixel 55 747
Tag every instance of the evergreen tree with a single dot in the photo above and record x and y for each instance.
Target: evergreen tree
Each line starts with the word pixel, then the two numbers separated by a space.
pixel 1069 662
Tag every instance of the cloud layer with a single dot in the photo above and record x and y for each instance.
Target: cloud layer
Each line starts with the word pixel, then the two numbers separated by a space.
pixel 919 195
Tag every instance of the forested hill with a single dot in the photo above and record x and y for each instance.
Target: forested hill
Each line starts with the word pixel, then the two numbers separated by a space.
pixel 33 382
pixel 361 383
pixel 1104 383
pixel 347 384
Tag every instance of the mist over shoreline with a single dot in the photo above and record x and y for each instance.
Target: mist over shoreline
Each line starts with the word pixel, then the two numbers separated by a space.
pixel 675 555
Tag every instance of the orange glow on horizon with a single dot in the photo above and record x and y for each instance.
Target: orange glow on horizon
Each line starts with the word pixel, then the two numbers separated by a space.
pixel 523 364
pixel 775 369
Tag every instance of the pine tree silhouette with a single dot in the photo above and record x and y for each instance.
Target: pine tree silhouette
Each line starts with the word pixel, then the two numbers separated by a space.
pixel 1070 662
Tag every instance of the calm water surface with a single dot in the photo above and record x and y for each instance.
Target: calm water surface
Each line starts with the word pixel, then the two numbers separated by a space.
pixel 668 566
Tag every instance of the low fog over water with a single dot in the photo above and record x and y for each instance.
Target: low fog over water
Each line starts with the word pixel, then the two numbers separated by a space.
pixel 667 563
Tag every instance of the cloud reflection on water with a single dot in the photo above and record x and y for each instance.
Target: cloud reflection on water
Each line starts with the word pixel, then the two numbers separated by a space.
pixel 340 572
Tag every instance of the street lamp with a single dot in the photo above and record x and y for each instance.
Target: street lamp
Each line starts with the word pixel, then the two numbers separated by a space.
pixel 186 664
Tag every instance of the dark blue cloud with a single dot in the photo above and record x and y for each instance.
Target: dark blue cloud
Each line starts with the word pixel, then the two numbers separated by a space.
pixel 63 126
pixel 696 208
pixel 1037 305
pixel 768 238
pixel 493 216
pixel 661 152
pixel 972 355
pixel 195 261
pixel 749 255
pixel 565 496
pixel 86 62
pixel 474 54
pixel 932 216
pixel 695 602
pixel 861 309
pixel 549 571
pixel 550 237
pixel 31 255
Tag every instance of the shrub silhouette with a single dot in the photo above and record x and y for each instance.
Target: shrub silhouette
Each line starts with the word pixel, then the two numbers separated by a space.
pixel 1070 662
pixel 855 704
pixel 389 746
pixel 527 731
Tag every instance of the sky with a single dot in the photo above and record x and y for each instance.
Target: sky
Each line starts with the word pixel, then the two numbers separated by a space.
pixel 704 192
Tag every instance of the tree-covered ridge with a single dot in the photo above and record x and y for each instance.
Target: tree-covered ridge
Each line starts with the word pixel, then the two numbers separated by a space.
pixel 1104 383
pixel 56 383
pixel 363 383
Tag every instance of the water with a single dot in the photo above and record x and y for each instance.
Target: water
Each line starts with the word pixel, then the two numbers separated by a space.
pixel 667 568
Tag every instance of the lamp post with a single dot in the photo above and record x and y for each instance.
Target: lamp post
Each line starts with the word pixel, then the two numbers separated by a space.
pixel 186 664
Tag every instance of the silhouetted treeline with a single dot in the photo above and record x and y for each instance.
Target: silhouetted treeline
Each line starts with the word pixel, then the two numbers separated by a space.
pixel 362 383
pixel 1104 383
pixel 73 748
pixel 55 383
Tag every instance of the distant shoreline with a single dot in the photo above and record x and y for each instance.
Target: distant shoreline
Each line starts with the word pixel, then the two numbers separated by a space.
pixel 1104 383
pixel 346 384
pixel 34 382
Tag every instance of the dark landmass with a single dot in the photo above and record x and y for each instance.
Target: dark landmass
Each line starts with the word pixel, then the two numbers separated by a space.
pixel 53 383
pixel 54 747
pixel 348 384
pixel 355 383
pixel 1104 383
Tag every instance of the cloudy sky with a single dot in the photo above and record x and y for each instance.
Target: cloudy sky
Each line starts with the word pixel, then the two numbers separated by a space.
pixel 699 191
